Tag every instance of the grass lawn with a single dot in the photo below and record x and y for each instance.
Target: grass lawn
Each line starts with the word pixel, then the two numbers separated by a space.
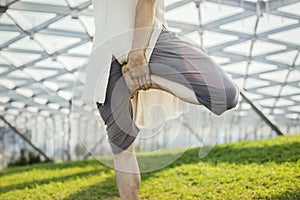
pixel 265 169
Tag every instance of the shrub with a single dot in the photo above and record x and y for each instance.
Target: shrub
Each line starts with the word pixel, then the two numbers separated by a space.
pixel 27 157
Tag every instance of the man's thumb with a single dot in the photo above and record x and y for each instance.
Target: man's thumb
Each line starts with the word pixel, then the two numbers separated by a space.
pixel 124 68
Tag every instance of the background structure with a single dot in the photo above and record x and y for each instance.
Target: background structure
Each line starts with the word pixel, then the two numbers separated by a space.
pixel 43 43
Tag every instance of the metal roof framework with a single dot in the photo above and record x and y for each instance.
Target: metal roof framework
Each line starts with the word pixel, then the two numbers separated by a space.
pixel 43 43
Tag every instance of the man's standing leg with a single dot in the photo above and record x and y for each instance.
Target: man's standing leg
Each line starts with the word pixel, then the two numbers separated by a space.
pixel 127 174
pixel 117 115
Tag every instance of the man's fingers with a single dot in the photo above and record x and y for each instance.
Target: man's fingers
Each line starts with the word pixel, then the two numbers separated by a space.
pixel 136 83
pixel 143 83
pixel 124 69
pixel 148 81
pixel 132 84
pixel 139 75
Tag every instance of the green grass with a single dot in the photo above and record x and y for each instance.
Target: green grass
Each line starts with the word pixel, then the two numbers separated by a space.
pixel 265 169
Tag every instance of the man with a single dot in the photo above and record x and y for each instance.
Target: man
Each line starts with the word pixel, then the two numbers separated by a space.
pixel 149 57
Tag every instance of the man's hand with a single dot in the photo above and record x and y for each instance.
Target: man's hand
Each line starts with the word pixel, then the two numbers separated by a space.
pixel 136 71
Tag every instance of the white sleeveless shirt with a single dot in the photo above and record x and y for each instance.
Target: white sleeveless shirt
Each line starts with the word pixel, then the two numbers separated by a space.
pixel 115 22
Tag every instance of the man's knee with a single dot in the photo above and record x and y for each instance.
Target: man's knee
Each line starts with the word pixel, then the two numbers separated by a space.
pixel 120 127
pixel 232 96
pixel 125 161
pixel 123 140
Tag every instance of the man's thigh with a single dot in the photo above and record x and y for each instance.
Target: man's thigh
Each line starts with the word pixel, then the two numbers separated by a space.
pixel 177 60
pixel 116 111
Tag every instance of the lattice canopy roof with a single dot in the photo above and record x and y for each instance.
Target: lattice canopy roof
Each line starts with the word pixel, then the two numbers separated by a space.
pixel 43 43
